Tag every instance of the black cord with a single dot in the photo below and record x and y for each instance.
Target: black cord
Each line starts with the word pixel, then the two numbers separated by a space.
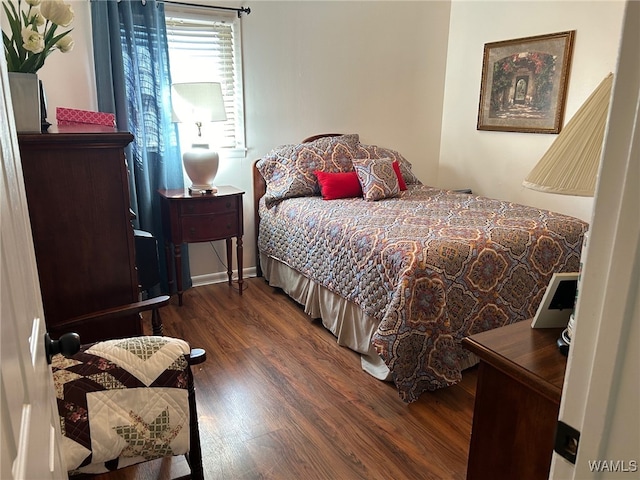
pixel 245 285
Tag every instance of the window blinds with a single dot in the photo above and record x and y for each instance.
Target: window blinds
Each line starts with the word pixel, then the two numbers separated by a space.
pixel 202 48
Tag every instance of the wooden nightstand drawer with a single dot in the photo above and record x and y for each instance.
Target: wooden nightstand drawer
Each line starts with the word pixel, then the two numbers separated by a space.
pixel 208 206
pixel 205 228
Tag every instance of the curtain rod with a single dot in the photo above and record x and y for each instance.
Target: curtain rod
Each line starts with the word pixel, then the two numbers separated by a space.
pixel 240 10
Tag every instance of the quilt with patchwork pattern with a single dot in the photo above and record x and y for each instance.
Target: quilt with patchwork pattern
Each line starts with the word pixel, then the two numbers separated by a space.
pixel 433 266
pixel 122 402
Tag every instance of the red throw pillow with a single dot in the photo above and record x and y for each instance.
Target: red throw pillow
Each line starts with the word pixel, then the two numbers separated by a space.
pixel 334 185
pixel 401 183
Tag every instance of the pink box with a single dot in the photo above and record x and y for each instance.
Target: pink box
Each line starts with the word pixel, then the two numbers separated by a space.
pixel 72 116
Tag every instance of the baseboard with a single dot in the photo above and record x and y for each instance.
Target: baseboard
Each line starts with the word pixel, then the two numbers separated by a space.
pixel 220 277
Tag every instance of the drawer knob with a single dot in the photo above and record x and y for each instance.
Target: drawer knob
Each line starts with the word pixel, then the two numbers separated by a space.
pixel 192 230
pixel 228 204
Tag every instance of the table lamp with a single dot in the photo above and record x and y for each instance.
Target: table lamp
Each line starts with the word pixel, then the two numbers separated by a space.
pixel 570 166
pixel 199 103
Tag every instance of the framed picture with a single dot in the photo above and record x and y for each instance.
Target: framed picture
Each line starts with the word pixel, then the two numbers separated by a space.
pixel 524 83
pixel 558 301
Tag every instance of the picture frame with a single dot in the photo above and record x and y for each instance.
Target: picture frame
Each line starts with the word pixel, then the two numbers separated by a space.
pixel 558 301
pixel 524 83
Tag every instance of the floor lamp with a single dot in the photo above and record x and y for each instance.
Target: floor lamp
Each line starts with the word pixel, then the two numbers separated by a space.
pixel 198 103
pixel 570 166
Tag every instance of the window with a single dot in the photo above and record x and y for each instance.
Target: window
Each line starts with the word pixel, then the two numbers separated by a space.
pixel 204 45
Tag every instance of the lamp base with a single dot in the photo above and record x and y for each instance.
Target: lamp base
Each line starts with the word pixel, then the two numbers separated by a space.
pixel 201 166
pixel 564 342
pixel 202 189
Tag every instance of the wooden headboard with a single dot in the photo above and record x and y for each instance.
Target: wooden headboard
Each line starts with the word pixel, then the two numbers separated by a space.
pixel 260 188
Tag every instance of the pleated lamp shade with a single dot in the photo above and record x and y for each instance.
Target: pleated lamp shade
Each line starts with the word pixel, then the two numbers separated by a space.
pixel 570 166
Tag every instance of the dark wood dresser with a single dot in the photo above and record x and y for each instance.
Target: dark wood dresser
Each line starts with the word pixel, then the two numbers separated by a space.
pixel 520 379
pixel 78 195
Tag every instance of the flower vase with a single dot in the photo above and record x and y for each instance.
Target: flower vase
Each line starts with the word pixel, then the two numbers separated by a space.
pixel 25 97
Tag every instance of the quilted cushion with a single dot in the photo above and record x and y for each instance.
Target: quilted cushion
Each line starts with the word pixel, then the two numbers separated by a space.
pixel 377 177
pixel 374 151
pixel 122 402
pixel 289 170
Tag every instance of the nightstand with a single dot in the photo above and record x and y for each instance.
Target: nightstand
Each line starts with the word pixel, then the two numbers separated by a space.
pixel 520 379
pixel 196 218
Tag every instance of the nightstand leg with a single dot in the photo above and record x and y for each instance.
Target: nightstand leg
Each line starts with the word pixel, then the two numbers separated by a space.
pixel 177 253
pixel 239 253
pixel 229 260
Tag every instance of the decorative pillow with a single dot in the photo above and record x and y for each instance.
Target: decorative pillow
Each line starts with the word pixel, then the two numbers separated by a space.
pixel 377 177
pixel 288 170
pixel 339 184
pixel 374 151
pixel 401 182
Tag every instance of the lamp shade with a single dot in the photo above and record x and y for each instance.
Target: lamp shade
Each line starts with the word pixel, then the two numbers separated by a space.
pixel 570 166
pixel 198 102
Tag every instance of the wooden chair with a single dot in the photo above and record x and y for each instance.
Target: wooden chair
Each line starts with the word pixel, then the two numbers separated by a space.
pixel 128 400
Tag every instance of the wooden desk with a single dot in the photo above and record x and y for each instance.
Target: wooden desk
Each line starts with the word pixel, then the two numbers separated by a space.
pixel 520 379
pixel 190 218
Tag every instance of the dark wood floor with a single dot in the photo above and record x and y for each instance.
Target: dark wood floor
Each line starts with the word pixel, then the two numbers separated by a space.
pixel 279 399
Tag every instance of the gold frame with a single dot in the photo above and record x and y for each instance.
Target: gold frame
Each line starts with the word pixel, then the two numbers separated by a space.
pixel 524 83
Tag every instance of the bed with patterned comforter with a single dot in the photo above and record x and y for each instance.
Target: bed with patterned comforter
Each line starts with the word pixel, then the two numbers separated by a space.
pixel 431 266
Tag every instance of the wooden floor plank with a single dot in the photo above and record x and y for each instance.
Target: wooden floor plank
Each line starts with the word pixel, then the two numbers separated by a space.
pixel 278 398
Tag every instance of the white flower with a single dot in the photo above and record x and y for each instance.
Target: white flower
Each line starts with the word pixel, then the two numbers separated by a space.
pixel 36 18
pixel 32 40
pixel 57 12
pixel 34 32
pixel 65 44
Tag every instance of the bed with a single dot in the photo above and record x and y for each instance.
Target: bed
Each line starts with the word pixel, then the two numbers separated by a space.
pixel 401 272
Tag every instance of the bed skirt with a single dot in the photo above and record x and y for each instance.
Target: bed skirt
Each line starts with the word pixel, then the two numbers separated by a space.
pixel 348 323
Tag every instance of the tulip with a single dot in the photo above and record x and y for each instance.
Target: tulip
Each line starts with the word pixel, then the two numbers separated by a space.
pixel 36 18
pixel 56 11
pixel 65 44
pixel 32 34
pixel 32 40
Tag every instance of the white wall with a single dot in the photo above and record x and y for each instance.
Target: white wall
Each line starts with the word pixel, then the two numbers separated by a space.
pixel 69 78
pixel 495 163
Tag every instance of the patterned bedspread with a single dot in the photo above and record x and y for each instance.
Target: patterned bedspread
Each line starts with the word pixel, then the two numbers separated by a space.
pixel 433 266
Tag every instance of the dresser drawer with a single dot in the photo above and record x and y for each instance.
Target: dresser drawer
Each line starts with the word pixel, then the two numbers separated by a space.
pixel 211 205
pixel 203 228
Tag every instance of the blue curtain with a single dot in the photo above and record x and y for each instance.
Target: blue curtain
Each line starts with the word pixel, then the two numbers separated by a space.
pixel 133 81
